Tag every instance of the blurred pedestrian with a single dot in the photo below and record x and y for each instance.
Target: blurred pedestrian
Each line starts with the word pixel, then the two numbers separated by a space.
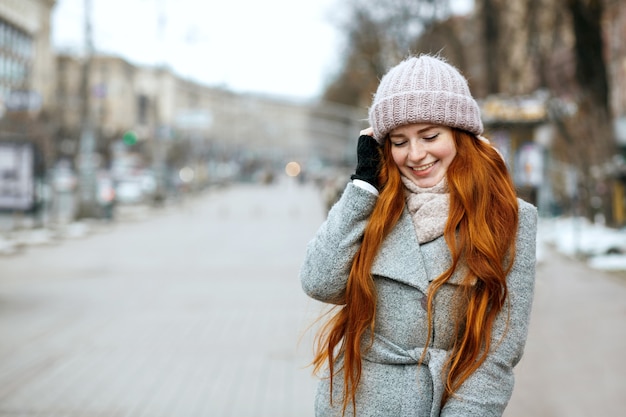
pixel 429 257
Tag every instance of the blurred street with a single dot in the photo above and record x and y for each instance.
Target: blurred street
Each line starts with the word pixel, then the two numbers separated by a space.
pixel 198 311
pixel 573 365
pixel 194 312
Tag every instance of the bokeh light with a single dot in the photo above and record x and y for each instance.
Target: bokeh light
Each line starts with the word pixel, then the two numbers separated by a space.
pixel 186 174
pixel 292 169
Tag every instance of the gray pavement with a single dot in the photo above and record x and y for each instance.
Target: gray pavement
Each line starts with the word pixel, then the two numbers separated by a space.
pixel 574 363
pixel 196 310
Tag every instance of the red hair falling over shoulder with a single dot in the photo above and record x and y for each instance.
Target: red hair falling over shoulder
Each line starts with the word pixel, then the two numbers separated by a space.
pixel 480 231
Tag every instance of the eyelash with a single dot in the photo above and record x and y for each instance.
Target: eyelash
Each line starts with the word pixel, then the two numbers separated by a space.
pixel 428 139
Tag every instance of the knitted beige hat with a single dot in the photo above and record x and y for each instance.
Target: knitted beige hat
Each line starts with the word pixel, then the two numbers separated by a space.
pixel 423 89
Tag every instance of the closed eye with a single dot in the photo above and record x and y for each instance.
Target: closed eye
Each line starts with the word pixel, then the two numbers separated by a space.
pixel 433 137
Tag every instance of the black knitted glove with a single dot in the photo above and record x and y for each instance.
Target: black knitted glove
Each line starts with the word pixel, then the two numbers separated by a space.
pixel 368 160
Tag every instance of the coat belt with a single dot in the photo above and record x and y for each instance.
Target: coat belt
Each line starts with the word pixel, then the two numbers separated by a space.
pixel 386 352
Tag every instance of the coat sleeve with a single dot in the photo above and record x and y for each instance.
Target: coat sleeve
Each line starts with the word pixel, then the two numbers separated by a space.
pixel 488 390
pixel 328 258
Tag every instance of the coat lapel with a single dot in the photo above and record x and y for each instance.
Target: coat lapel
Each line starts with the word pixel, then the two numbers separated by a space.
pixel 400 257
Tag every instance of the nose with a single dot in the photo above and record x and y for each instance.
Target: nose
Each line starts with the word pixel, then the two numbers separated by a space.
pixel 417 151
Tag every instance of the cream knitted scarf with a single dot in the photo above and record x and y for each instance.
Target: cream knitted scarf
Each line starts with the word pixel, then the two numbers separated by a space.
pixel 428 207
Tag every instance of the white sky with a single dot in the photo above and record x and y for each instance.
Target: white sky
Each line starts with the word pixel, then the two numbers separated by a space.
pixel 281 47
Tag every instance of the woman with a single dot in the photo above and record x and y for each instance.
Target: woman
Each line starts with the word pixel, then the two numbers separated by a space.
pixel 429 258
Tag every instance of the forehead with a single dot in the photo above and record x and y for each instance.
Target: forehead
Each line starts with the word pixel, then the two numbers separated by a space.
pixel 414 128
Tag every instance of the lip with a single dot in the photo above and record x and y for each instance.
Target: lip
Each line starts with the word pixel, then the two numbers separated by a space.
pixel 423 170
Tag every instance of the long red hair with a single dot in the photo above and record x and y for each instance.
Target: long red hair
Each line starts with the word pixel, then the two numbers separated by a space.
pixel 480 231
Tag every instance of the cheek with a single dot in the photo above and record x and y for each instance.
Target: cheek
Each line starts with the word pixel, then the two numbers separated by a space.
pixel 449 153
pixel 452 153
pixel 397 156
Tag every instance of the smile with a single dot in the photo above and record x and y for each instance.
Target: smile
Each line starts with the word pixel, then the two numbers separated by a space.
pixel 423 167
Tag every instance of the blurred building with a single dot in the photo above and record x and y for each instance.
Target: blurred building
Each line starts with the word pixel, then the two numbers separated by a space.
pixel 177 123
pixel 121 98
pixel 27 74
pixel 520 129
pixel 26 57
pixel 144 121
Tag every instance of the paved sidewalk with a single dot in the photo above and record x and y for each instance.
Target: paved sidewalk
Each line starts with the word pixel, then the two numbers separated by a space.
pixel 18 233
pixel 196 312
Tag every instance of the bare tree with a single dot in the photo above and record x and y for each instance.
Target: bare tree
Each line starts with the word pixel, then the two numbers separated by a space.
pixel 378 33
pixel 589 132
pixel 491 15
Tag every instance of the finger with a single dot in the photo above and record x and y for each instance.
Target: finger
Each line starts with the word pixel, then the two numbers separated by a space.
pixel 369 131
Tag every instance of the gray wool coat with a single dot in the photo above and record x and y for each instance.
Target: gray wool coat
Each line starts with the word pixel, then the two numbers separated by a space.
pixel 392 382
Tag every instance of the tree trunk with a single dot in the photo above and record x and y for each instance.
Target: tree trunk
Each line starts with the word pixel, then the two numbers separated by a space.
pixel 594 130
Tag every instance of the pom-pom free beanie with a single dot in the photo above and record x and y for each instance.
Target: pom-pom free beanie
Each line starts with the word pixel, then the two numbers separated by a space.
pixel 423 89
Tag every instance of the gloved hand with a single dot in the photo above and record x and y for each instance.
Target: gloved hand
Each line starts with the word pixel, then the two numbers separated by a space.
pixel 368 160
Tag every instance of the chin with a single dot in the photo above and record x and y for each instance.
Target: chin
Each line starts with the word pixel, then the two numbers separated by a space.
pixel 426 182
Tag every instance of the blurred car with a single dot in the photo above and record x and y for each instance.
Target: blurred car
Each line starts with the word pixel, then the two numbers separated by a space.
pixel 129 191
pixel 137 188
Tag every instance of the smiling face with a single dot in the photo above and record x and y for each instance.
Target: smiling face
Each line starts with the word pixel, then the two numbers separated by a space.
pixel 423 152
